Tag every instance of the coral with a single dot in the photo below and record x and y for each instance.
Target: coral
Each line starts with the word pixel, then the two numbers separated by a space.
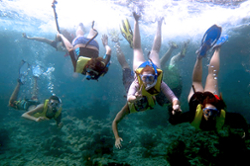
pixel 89 141
pixel 4 137
pixel 175 154
pixel 148 139
pixel 56 146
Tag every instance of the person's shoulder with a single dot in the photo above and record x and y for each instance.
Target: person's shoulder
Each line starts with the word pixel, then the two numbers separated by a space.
pixel 233 116
pixel 136 81
pixel 40 106
pixel 163 83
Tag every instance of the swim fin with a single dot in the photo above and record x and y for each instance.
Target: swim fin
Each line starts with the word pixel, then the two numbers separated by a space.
pixel 23 70
pixel 36 71
pixel 221 41
pixel 209 39
pixel 126 31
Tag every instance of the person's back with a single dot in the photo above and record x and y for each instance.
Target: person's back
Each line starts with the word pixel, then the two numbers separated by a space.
pixel 84 53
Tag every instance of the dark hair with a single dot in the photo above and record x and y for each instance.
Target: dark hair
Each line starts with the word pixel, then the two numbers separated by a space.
pixel 96 64
pixel 53 97
pixel 148 68
pixel 215 101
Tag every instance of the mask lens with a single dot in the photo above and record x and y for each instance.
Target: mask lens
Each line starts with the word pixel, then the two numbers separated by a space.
pixel 211 111
pixel 92 73
pixel 88 77
pixel 55 105
pixel 147 77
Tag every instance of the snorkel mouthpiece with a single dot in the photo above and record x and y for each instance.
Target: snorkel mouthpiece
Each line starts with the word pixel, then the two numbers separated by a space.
pixel 149 86
pixel 54 109
pixel 88 77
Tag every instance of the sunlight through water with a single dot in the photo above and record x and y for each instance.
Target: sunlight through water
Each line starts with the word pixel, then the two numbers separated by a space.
pixel 182 18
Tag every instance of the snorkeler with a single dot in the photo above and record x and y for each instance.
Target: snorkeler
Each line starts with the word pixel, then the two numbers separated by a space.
pixel 50 109
pixel 84 53
pixel 171 72
pixel 206 106
pixel 147 83
pixel 173 78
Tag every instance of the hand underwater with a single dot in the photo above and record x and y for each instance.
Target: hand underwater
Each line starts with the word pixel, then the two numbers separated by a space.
pixel 104 40
pixel 138 94
pixel 118 144
pixel 176 109
pixel 41 119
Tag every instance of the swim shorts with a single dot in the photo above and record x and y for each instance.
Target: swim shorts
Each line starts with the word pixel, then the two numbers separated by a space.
pixel 24 104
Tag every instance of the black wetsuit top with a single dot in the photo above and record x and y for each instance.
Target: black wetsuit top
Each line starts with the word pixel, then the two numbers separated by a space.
pixel 233 120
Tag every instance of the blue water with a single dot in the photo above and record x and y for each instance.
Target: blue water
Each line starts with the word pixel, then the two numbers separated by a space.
pixel 103 99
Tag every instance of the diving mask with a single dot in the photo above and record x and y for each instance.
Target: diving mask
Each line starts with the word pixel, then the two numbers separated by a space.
pixel 211 111
pixel 149 80
pixel 55 105
pixel 92 74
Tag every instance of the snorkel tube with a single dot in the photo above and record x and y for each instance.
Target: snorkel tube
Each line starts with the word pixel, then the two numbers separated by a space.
pixel 148 86
pixel 93 36
pixel 55 14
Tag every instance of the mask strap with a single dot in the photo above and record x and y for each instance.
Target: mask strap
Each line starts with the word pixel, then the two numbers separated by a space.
pixel 193 88
pixel 152 64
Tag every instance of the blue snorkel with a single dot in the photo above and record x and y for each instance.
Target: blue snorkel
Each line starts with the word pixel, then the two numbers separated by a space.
pixel 154 67
pixel 88 77
pixel 150 63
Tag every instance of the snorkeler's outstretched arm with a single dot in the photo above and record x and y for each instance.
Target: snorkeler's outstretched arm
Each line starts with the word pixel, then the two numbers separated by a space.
pixel 187 116
pixel 29 114
pixel 171 97
pixel 105 44
pixel 120 115
pixel 135 92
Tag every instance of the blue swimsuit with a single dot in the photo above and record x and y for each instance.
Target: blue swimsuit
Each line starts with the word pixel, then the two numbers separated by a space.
pixel 84 40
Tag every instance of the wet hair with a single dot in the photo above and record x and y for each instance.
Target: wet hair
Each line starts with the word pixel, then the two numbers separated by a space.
pixel 53 97
pixel 96 64
pixel 148 68
pixel 217 102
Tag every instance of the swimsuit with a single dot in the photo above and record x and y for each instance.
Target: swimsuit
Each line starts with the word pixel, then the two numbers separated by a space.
pixel 84 40
pixel 24 104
